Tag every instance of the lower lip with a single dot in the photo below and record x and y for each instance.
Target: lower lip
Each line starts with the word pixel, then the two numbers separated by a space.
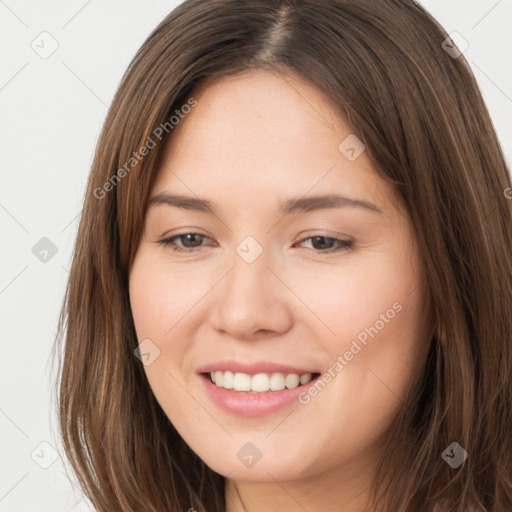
pixel 244 403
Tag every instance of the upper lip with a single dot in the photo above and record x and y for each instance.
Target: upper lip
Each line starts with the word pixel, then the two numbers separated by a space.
pixel 252 368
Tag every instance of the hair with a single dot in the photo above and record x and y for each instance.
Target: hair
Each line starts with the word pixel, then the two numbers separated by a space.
pixel 427 131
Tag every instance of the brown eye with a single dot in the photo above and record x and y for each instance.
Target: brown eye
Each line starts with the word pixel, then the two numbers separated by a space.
pixel 189 242
pixel 325 244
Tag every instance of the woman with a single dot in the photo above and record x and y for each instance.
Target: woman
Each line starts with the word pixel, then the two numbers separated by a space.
pixel 291 287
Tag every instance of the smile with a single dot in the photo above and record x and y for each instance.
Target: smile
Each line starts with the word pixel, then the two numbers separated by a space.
pixel 260 382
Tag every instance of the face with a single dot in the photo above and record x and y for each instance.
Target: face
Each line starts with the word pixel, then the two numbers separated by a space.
pixel 269 294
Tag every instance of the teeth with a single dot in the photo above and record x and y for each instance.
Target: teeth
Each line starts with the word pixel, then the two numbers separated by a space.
pixel 292 380
pixel 229 380
pixel 242 382
pixel 277 382
pixel 259 383
pixel 305 378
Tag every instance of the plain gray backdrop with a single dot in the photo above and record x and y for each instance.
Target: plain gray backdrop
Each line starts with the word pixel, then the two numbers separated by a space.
pixel 60 65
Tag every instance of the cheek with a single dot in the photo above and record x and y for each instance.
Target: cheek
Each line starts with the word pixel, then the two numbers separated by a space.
pixel 160 298
pixel 371 362
pixel 160 301
pixel 371 319
pixel 361 300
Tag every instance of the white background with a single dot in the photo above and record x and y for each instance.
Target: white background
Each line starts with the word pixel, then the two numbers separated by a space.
pixel 51 113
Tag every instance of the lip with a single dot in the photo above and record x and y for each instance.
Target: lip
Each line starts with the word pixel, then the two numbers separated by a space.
pixel 245 403
pixel 253 368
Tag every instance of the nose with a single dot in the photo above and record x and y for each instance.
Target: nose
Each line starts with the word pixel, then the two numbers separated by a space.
pixel 251 300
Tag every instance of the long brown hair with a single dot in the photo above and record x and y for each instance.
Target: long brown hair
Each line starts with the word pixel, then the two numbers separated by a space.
pixel 419 112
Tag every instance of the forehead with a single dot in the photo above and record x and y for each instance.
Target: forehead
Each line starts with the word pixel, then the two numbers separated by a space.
pixel 263 135
pixel 258 109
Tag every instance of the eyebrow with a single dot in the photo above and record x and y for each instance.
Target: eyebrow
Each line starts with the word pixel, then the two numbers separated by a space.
pixel 293 205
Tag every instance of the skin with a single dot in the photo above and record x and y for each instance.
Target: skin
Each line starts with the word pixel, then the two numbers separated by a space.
pixel 251 142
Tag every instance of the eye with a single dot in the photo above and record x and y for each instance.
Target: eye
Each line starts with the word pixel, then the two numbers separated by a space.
pixel 169 242
pixel 192 241
pixel 319 242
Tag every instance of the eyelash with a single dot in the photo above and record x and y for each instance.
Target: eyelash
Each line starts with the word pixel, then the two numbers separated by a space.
pixel 344 245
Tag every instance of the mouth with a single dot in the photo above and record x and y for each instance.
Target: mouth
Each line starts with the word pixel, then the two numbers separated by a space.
pixel 255 389
pixel 260 382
